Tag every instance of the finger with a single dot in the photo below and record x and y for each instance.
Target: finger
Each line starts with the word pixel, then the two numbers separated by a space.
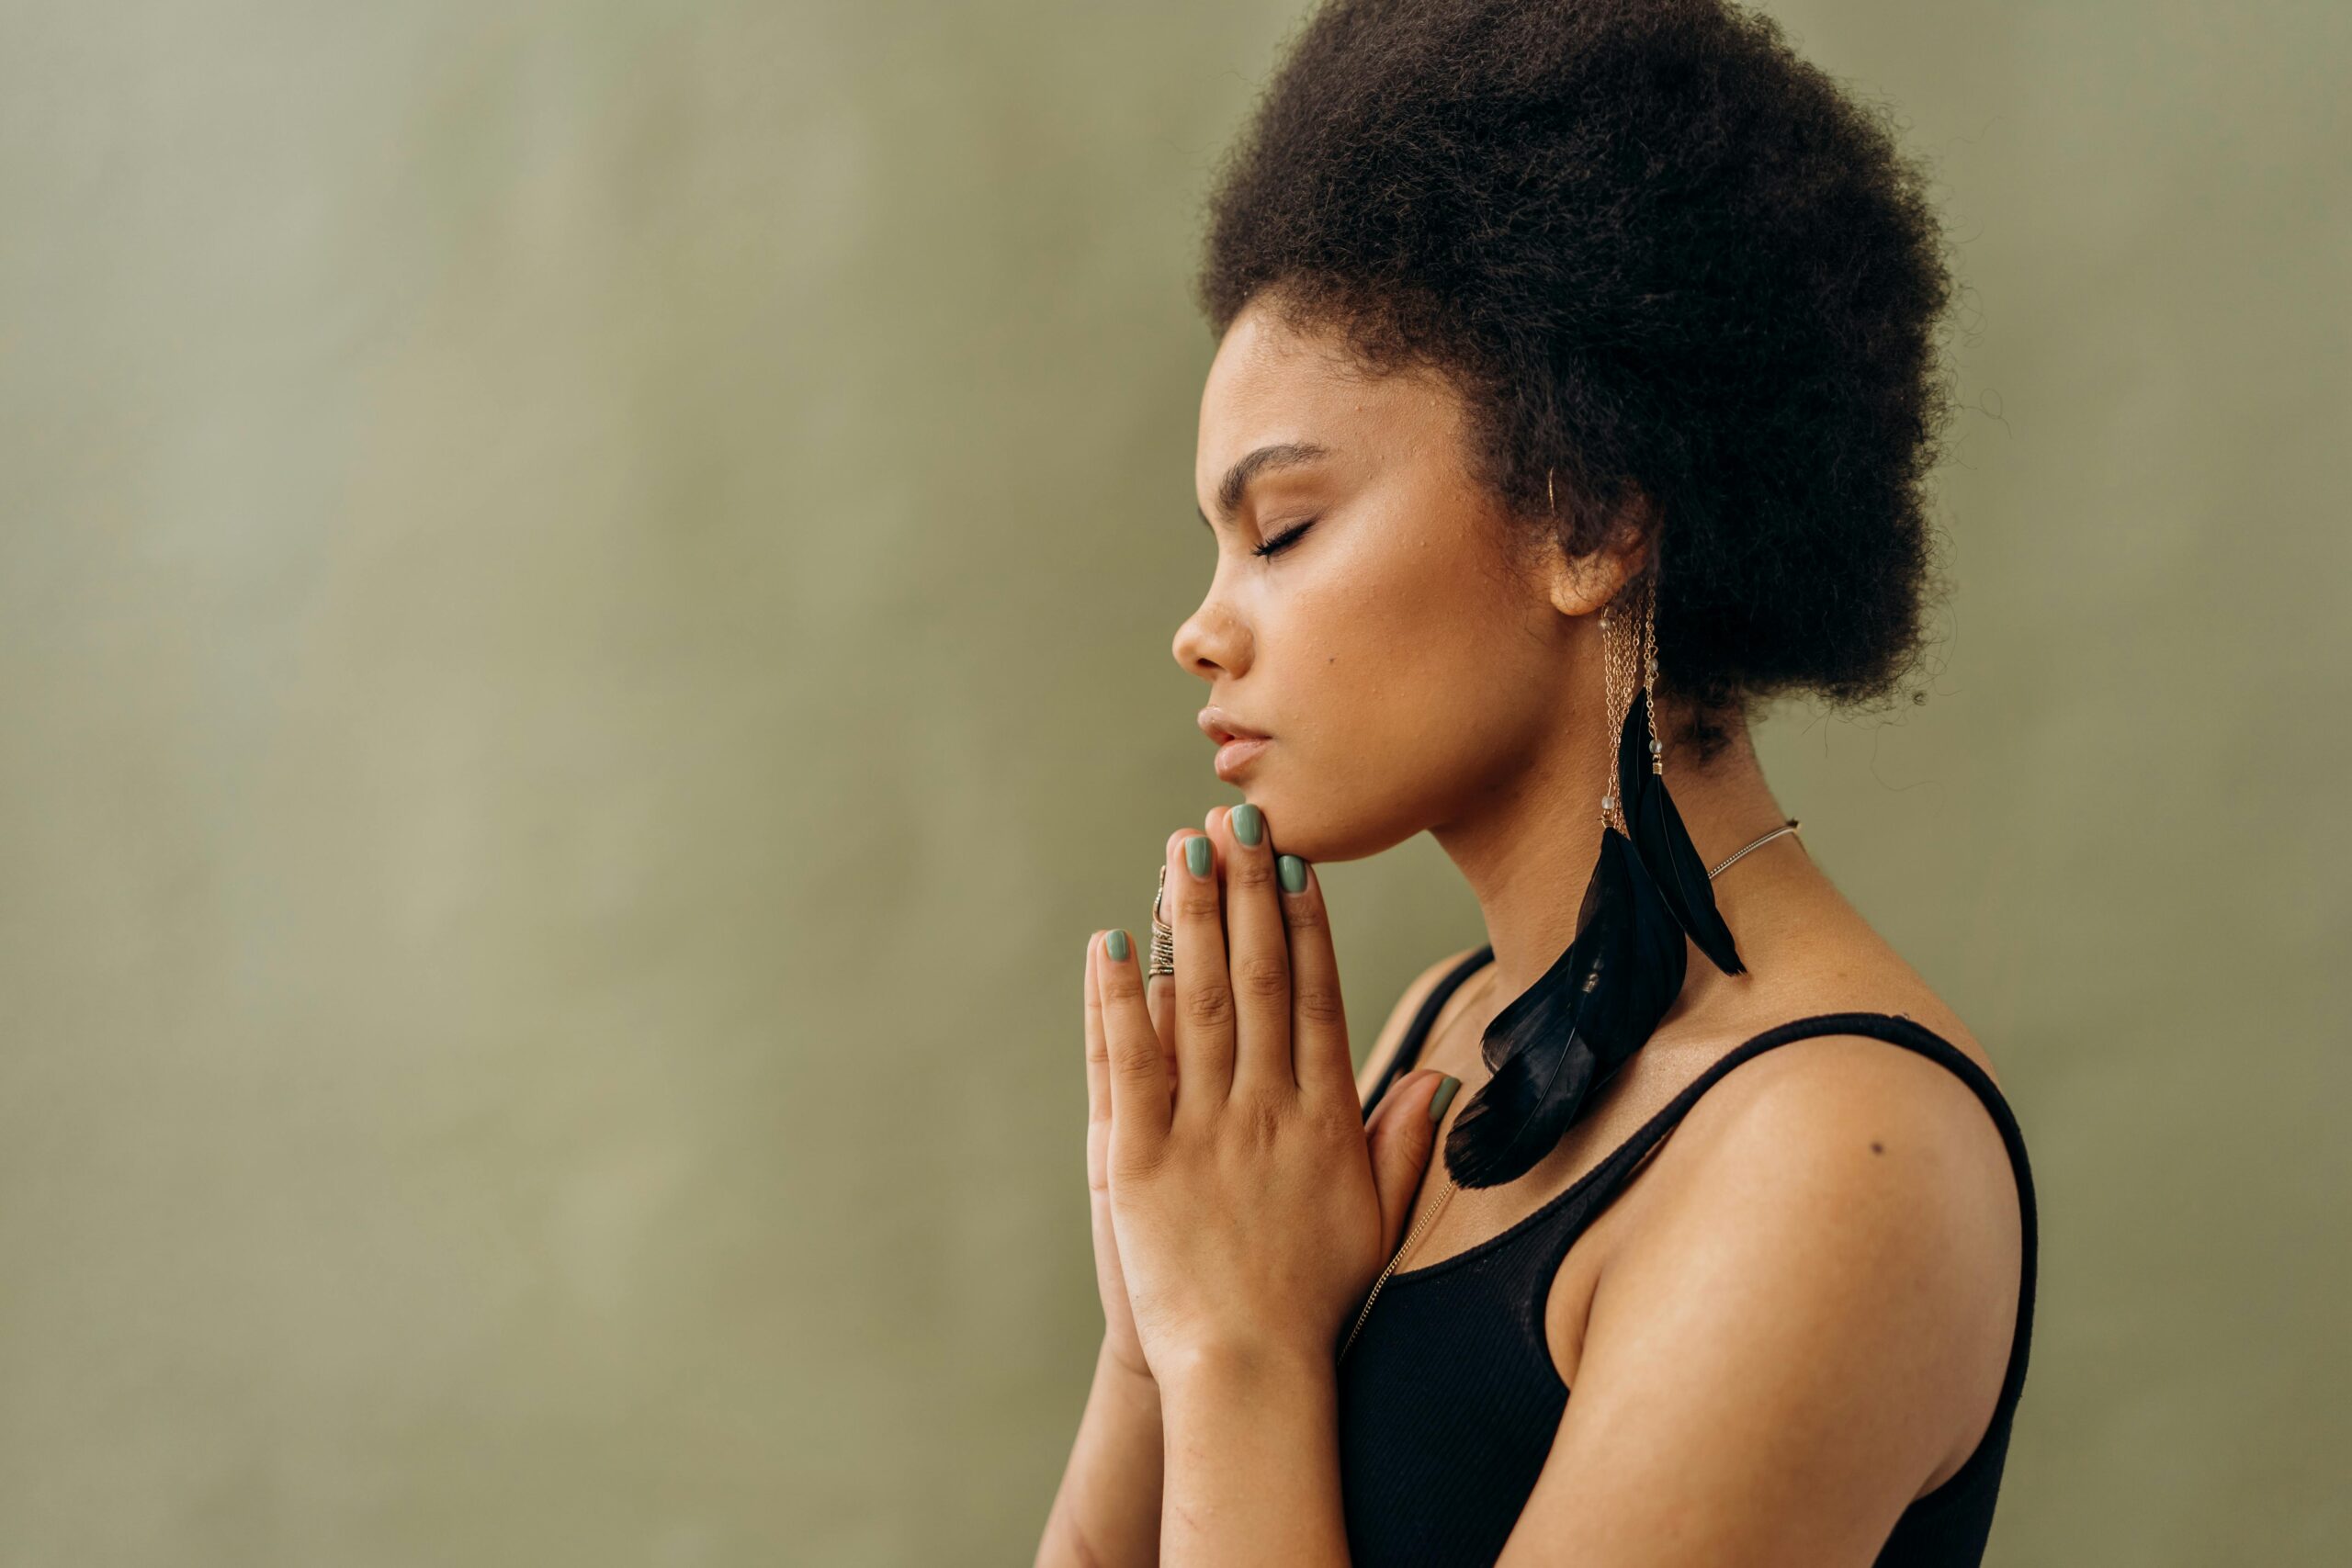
pixel 1159 998
pixel 1379 1103
pixel 1140 1104
pixel 1097 1087
pixel 1257 954
pixel 1403 1135
pixel 1319 1013
pixel 1160 990
pixel 1203 1002
pixel 1098 1056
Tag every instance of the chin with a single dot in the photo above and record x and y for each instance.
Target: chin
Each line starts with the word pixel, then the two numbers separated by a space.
pixel 1320 827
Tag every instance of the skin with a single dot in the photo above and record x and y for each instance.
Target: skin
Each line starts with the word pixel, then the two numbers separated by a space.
pixel 1795 1318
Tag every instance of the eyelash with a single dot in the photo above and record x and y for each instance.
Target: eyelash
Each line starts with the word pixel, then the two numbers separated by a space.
pixel 1283 540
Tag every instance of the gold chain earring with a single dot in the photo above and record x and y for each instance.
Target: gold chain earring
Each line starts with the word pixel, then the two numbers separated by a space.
pixel 1654 824
pixel 1584 1019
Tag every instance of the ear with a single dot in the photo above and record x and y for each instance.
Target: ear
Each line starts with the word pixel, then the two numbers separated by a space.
pixel 1582 586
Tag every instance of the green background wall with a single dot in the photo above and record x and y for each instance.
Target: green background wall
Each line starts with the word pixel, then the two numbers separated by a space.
pixel 584 609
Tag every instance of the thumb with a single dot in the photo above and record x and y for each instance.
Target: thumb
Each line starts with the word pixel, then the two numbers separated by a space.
pixel 1403 1135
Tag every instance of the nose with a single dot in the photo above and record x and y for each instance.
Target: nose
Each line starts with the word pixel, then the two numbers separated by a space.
pixel 1213 642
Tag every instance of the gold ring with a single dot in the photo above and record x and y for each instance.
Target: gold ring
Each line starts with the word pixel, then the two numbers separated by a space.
pixel 1162 958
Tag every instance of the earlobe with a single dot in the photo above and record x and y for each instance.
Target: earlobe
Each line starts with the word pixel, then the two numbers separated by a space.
pixel 1583 585
pixel 1569 587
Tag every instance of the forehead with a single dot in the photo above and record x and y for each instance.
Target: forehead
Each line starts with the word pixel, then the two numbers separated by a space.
pixel 1270 383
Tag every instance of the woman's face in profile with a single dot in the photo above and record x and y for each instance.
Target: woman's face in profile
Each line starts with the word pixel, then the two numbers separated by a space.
pixel 1403 655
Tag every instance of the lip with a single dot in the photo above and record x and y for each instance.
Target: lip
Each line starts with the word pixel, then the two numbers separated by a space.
pixel 1221 727
pixel 1237 754
pixel 1237 745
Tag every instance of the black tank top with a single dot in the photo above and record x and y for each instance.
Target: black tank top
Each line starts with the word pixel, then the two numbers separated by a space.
pixel 1449 1399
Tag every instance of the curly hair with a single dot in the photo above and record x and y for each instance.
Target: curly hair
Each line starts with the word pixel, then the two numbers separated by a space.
pixel 1671 270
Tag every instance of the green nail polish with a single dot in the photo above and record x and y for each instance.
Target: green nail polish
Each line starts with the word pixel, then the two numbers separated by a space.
pixel 1294 873
pixel 1197 856
pixel 1248 824
pixel 1443 1098
pixel 1115 945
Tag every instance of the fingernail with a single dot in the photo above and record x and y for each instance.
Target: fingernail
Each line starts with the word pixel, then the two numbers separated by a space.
pixel 1248 824
pixel 1294 873
pixel 1115 945
pixel 1443 1097
pixel 1197 856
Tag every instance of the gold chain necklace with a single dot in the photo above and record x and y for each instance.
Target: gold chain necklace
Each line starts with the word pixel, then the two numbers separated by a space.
pixel 1437 1154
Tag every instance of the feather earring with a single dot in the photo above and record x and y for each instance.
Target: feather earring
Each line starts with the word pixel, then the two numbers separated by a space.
pixel 1655 826
pixel 1567 1034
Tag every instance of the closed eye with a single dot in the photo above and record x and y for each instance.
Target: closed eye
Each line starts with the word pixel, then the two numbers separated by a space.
pixel 1283 540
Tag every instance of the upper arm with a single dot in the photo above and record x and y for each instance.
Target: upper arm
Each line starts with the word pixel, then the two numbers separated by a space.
pixel 1810 1321
pixel 1401 1019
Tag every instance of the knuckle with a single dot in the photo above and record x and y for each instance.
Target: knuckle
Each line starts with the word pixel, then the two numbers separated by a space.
pixel 1130 1163
pixel 1262 978
pixel 1302 914
pixel 1248 870
pixel 1319 1005
pixel 1208 1007
pixel 1135 1067
pixel 1198 901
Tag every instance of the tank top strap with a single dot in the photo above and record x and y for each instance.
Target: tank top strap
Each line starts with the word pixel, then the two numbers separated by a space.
pixel 1560 1221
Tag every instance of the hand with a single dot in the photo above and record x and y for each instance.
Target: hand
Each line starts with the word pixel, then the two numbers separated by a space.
pixel 1159 991
pixel 1119 1340
pixel 1251 1205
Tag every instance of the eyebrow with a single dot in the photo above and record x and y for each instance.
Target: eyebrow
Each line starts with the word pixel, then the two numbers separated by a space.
pixel 1236 483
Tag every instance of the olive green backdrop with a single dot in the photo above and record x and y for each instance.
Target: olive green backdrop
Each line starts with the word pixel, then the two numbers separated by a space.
pixel 584 608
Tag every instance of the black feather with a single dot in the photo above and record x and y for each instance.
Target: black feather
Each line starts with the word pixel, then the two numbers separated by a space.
pixel 1665 844
pixel 1570 1031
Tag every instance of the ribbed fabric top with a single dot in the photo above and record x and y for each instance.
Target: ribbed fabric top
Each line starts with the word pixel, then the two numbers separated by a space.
pixel 1449 1400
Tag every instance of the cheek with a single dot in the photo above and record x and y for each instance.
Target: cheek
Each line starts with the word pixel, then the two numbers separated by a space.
pixel 1413 644
pixel 1403 687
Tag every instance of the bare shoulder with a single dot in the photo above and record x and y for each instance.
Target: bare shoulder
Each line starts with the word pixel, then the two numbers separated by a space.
pixel 1869 1195
pixel 1870 1120
pixel 1896 1124
pixel 1401 1019
pixel 1832 1249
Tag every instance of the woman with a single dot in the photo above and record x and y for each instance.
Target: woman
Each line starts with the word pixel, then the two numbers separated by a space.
pixel 1576 386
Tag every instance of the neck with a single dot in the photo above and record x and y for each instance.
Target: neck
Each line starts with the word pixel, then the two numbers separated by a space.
pixel 1528 850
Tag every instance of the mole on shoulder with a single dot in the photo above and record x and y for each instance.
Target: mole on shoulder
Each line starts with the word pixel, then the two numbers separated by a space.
pixel 1877 1147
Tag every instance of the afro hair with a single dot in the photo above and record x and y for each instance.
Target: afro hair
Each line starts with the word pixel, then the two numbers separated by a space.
pixel 1679 279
